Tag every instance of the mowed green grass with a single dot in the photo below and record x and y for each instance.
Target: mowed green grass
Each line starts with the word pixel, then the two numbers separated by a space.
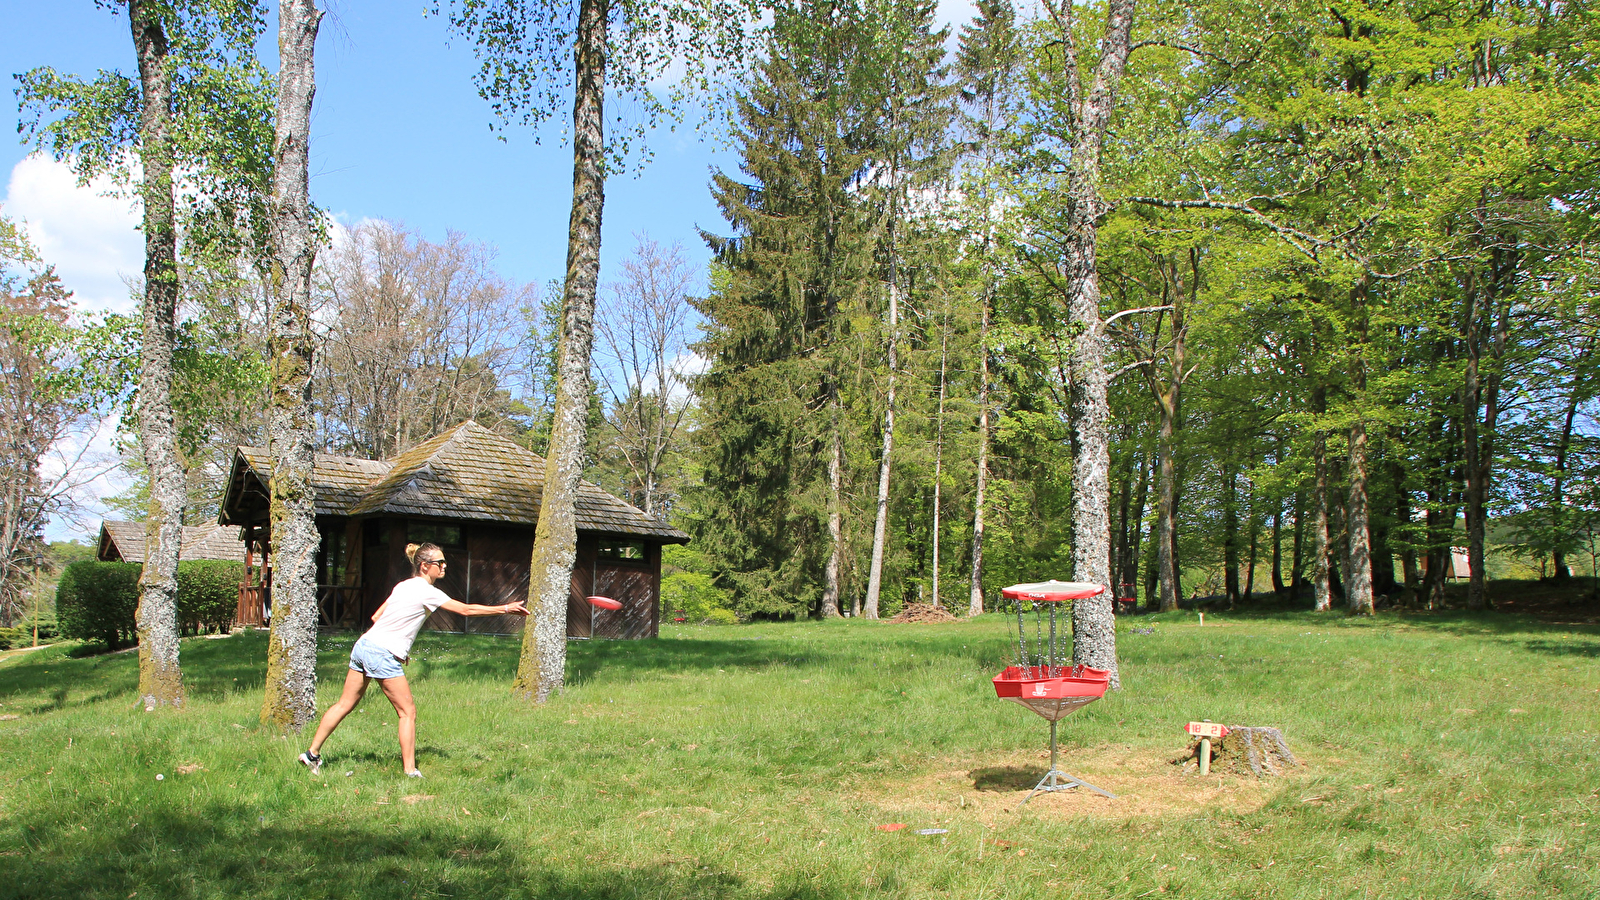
pixel 1445 756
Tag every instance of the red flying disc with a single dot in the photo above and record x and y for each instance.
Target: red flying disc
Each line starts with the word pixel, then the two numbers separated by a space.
pixel 604 603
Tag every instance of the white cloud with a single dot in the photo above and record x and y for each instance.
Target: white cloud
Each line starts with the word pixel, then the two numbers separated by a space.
pixel 91 238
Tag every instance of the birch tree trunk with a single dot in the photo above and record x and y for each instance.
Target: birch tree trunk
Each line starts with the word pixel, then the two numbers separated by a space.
pixel 291 687
pixel 880 527
pixel 542 668
pixel 1094 639
pixel 160 679
pixel 938 454
pixel 975 588
pixel 835 563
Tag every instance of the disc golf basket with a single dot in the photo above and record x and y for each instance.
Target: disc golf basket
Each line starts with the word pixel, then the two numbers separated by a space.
pixel 1043 680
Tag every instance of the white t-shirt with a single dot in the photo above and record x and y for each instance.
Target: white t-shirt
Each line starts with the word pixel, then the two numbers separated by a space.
pixel 404 612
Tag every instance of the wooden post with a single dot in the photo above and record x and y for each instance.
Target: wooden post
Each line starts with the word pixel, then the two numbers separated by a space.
pixel 1205 756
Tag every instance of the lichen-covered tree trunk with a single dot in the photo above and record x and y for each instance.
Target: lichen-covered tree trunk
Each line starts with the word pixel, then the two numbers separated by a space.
pixel 1094 636
pixel 291 688
pixel 160 679
pixel 542 668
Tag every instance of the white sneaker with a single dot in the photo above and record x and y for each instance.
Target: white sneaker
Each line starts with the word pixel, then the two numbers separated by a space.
pixel 414 773
pixel 311 761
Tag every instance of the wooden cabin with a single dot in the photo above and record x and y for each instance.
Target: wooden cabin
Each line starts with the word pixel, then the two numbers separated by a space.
pixel 474 493
pixel 124 542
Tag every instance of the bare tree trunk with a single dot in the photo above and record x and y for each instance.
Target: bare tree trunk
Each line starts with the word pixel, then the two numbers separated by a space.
pixel 1358 570
pixel 160 679
pixel 938 451
pixel 1167 506
pixel 1296 566
pixel 541 671
pixel 1277 548
pixel 880 527
pixel 975 588
pixel 1230 533
pixel 291 687
pixel 835 563
pixel 882 522
pixel 1320 587
pixel 1483 391
pixel 1094 639
pixel 1358 588
pixel 1130 571
pixel 1253 527
pixel 1121 543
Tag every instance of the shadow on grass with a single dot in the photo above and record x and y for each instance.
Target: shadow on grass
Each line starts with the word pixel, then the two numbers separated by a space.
pixel 225 850
pixel 1005 779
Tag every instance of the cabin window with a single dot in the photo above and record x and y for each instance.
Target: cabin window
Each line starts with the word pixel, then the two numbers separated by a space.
pixel 630 550
pixel 433 533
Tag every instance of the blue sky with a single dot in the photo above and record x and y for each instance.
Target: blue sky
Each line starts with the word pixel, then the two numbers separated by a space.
pixel 398 132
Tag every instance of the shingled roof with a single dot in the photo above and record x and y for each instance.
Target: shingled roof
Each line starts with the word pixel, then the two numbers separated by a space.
pixel 199 541
pixel 468 472
pixel 340 480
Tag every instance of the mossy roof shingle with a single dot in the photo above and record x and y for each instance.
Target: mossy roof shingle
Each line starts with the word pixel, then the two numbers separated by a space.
pixel 199 541
pixel 468 472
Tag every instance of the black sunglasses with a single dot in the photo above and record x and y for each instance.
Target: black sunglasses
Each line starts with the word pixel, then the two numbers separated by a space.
pixel 439 562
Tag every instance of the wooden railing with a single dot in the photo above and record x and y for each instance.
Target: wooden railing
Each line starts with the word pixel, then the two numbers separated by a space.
pixel 338 606
pixel 253 600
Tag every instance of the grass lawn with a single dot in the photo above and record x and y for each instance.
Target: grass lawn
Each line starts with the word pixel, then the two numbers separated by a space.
pixel 1444 755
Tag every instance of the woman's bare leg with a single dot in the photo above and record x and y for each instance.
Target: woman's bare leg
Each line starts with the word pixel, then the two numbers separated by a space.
pixel 399 693
pixel 355 685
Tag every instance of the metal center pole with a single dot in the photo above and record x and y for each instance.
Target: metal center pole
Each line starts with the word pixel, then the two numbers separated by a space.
pixel 1053 758
pixel 1052 663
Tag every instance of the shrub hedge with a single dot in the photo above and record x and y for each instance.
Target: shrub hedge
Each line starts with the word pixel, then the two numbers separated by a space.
pixel 98 601
pixel 698 598
pixel 22 635
pixel 208 593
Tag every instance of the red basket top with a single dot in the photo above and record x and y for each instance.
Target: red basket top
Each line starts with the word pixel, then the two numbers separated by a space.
pixel 1051 591
pixel 1057 682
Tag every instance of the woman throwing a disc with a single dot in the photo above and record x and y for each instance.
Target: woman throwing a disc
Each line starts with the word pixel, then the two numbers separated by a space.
pixel 387 646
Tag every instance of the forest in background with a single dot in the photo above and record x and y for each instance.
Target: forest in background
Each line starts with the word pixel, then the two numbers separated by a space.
pixel 1347 287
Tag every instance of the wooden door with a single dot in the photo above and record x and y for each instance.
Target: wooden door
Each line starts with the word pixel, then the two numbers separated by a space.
pixel 497 573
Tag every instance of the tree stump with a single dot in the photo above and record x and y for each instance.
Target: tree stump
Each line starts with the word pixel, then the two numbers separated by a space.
pixel 1259 751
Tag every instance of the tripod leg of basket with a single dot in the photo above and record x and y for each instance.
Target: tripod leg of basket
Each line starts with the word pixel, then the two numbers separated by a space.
pixel 1059 780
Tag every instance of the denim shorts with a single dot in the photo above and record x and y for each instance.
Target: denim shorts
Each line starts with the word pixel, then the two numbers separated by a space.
pixel 373 661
